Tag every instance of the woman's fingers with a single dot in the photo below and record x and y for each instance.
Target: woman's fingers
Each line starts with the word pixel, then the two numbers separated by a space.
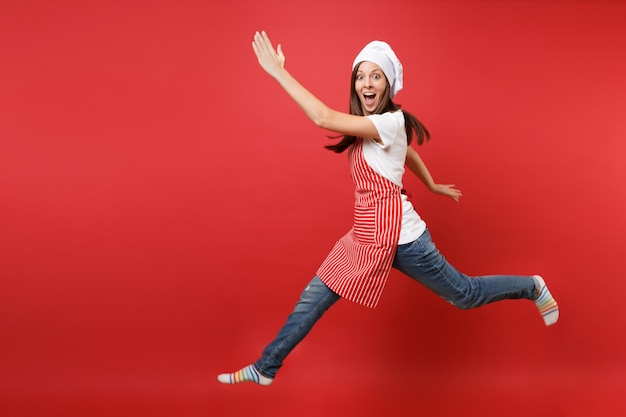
pixel 270 60
pixel 263 43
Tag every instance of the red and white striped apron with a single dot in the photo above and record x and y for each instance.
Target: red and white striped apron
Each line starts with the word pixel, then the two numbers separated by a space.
pixel 358 266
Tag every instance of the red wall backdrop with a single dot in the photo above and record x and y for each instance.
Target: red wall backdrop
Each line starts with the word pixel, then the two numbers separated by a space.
pixel 163 203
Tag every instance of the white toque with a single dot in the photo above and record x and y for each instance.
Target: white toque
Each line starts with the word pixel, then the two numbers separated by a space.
pixel 381 54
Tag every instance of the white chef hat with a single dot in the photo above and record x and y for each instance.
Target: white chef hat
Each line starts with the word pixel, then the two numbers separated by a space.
pixel 381 54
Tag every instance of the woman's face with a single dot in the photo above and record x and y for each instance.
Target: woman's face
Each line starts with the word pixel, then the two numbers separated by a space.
pixel 370 85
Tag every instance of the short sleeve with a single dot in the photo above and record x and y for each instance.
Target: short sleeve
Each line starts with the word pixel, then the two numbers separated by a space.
pixel 389 126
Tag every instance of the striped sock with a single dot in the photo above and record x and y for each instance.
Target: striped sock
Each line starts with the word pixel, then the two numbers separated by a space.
pixel 546 304
pixel 249 373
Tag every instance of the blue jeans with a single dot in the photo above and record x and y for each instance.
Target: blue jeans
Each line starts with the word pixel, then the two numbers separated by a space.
pixel 314 301
pixel 421 261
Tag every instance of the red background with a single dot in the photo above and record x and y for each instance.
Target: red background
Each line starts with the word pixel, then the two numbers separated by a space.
pixel 163 202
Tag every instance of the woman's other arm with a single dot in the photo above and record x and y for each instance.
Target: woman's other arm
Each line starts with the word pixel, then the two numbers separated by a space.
pixel 415 164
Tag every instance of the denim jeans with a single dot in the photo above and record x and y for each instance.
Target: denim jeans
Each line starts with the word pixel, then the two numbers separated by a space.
pixel 421 261
pixel 314 301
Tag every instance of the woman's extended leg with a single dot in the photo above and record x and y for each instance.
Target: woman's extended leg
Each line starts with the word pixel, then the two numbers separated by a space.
pixel 422 261
pixel 314 301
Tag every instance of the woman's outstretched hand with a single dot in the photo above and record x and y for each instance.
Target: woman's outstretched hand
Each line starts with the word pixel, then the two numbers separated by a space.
pixel 448 190
pixel 272 61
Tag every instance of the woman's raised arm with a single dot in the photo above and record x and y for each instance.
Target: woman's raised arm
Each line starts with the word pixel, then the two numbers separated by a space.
pixel 273 62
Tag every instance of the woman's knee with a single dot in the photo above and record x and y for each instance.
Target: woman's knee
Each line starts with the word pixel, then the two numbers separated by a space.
pixel 315 294
pixel 464 301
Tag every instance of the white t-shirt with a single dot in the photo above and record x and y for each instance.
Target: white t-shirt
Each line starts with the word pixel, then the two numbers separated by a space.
pixel 388 160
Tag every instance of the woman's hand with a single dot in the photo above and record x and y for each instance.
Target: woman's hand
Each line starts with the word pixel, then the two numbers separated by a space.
pixel 448 190
pixel 272 61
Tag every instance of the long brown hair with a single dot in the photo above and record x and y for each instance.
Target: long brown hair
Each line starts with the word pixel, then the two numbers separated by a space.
pixel 411 123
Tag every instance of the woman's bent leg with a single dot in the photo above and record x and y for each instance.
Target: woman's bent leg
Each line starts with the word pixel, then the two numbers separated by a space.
pixel 423 262
pixel 314 301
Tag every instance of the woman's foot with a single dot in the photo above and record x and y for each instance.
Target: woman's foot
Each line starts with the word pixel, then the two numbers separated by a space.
pixel 548 308
pixel 247 374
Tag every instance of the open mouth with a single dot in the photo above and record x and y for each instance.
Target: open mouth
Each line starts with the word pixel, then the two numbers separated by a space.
pixel 369 99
